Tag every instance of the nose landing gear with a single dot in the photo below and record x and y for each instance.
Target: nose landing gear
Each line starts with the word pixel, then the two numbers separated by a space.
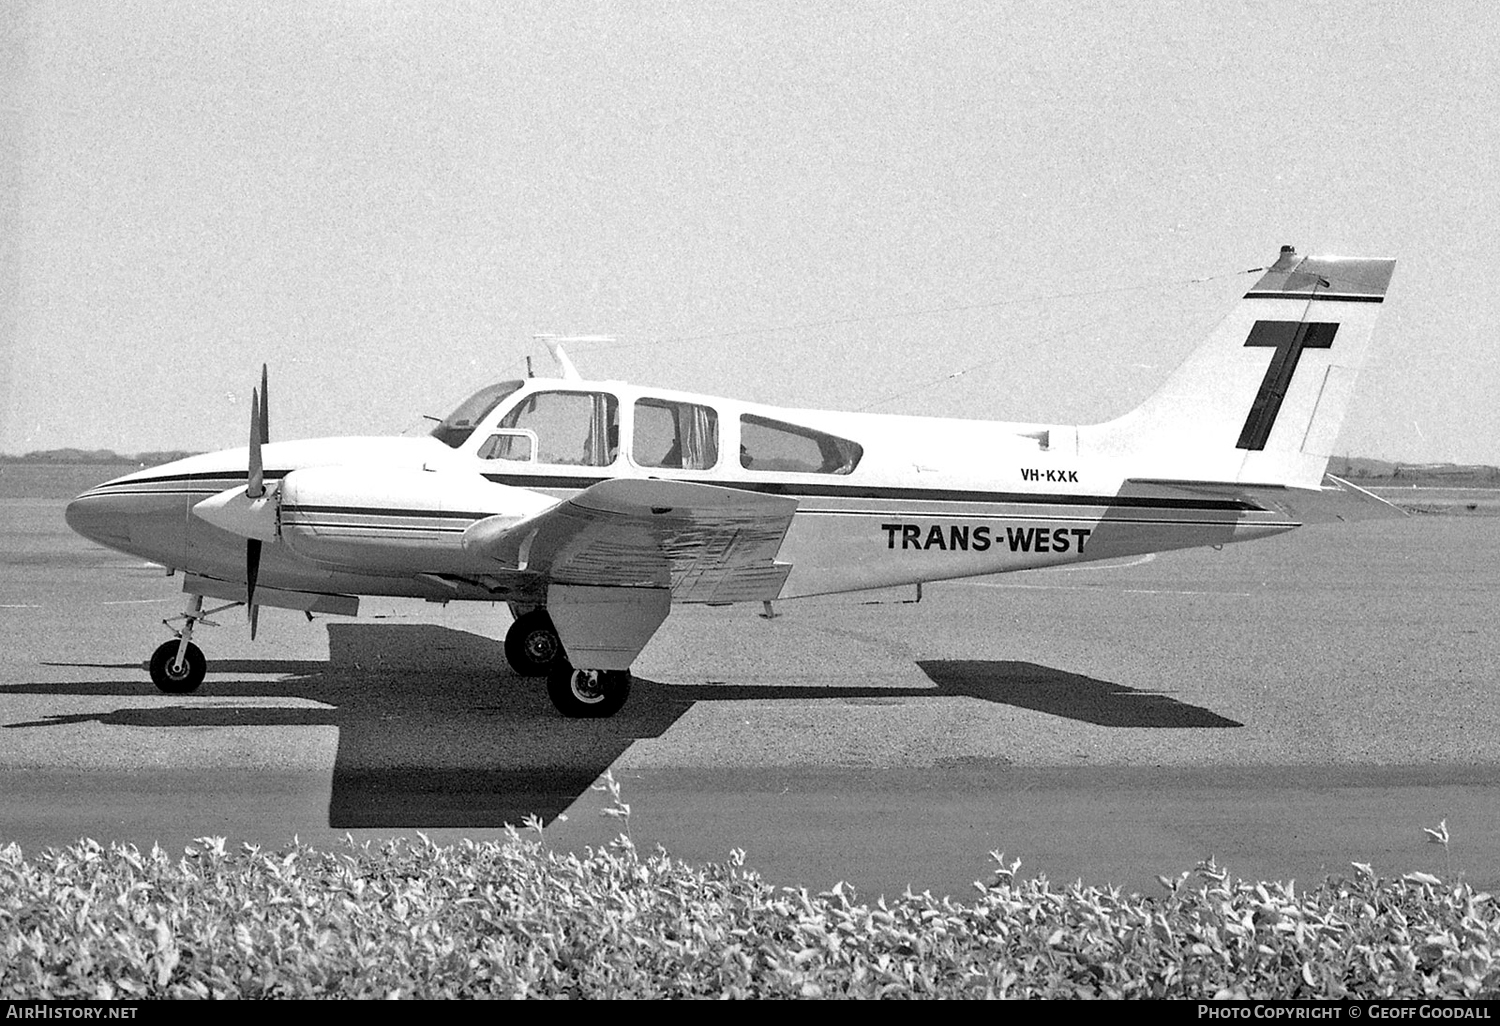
pixel 178 667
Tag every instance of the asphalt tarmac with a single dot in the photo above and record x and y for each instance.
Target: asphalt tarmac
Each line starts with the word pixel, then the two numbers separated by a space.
pixel 1285 706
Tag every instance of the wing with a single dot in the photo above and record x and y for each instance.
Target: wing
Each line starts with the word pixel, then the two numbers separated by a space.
pixel 705 543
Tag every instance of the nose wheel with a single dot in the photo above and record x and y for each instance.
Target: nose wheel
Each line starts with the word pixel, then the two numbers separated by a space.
pixel 178 668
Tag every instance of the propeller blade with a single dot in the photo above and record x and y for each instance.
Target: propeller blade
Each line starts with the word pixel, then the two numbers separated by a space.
pixel 252 572
pixel 265 406
pixel 255 484
pixel 255 487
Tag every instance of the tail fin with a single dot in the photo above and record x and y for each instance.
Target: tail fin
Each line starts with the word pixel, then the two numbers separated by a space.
pixel 1262 400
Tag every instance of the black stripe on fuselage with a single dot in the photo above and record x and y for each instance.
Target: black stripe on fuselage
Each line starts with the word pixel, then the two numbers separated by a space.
pixel 115 492
pixel 1322 297
pixel 887 514
pixel 1062 518
pixel 800 490
pixel 209 475
pixel 796 490
pixel 135 487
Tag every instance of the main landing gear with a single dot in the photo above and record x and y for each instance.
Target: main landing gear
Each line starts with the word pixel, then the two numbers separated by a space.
pixel 178 667
pixel 533 649
pixel 588 694
pixel 532 646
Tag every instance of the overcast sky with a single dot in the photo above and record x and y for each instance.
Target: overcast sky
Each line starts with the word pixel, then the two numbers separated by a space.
pixel 385 201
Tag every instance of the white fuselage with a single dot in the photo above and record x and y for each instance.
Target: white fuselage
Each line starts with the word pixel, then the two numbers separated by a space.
pixel 926 499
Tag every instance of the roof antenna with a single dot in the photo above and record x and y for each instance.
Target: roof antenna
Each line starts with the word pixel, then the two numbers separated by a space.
pixel 529 372
pixel 554 345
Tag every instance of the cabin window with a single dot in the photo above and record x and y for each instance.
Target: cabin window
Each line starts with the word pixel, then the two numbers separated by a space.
pixel 771 445
pixel 514 444
pixel 675 436
pixel 454 430
pixel 573 428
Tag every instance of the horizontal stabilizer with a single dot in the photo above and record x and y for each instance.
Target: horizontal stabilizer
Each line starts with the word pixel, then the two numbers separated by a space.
pixel 1337 501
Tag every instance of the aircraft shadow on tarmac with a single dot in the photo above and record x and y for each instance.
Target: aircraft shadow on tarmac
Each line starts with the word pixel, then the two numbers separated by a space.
pixel 1071 695
pixel 435 731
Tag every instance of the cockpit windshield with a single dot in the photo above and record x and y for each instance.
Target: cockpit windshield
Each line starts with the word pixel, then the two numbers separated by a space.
pixel 456 428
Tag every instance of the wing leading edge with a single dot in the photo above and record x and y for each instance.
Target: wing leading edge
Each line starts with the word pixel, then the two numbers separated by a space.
pixel 705 543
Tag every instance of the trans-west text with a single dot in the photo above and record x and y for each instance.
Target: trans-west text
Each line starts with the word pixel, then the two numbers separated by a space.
pixel 963 538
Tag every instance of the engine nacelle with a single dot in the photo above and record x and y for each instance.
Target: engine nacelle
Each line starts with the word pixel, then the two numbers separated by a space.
pixel 381 520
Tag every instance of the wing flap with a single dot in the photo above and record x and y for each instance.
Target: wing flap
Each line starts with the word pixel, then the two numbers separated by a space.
pixel 705 543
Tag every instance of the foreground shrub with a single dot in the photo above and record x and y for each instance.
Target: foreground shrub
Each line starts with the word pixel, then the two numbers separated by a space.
pixel 511 919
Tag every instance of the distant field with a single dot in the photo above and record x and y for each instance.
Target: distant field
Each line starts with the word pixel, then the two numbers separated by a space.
pixel 1466 501
pixel 56 480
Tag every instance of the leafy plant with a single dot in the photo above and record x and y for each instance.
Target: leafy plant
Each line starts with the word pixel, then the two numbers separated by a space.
pixel 512 919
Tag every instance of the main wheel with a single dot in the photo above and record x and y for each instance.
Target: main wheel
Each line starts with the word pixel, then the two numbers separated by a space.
pixel 588 694
pixel 532 646
pixel 177 680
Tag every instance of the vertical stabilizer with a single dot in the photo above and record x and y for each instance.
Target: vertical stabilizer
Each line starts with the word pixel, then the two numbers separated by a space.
pixel 1262 400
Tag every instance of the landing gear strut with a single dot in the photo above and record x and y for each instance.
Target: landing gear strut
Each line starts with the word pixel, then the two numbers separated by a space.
pixel 178 667
pixel 588 694
pixel 532 646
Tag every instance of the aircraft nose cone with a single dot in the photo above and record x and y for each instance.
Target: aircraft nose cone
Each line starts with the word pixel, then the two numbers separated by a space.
pixel 98 519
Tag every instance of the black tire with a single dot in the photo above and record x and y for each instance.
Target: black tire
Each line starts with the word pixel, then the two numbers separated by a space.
pixel 588 694
pixel 179 682
pixel 532 646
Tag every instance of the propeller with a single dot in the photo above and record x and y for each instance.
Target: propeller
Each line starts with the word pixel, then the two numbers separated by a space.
pixel 249 511
pixel 255 488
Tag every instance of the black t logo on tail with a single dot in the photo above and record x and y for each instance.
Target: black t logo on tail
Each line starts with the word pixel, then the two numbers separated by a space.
pixel 1288 338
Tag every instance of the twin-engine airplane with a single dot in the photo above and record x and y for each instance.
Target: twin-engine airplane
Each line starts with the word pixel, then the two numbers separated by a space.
pixel 590 507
